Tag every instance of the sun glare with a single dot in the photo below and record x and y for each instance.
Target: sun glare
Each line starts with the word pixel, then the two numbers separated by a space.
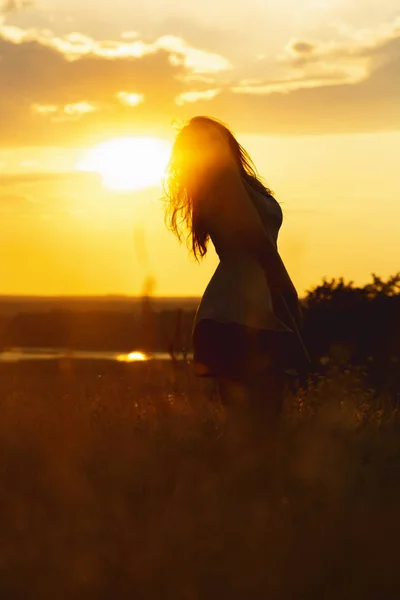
pixel 128 163
pixel 133 357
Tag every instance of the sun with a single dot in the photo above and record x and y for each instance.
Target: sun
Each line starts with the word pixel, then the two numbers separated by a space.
pixel 128 163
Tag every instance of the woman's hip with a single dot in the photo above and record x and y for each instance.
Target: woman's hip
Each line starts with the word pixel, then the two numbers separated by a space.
pixel 234 350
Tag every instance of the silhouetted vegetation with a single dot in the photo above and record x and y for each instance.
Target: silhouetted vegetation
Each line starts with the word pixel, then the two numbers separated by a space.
pixel 120 481
pixel 349 325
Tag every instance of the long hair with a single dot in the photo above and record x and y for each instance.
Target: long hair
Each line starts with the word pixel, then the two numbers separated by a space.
pixel 180 193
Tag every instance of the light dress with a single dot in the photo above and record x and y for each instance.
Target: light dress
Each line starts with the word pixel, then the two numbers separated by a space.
pixel 238 293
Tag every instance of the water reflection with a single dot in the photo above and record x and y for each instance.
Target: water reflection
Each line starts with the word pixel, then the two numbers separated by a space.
pixel 133 357
pixel 34 354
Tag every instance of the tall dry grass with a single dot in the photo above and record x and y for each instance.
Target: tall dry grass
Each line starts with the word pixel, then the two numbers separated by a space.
pixel 118 481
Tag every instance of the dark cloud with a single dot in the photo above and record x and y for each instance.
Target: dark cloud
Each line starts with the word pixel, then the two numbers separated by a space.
pixel 301 47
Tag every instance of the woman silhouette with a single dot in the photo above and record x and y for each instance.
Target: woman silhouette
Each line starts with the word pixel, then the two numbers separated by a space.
pixel 247 328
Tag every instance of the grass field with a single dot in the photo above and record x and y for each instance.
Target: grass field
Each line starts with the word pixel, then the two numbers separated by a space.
pixel 118 481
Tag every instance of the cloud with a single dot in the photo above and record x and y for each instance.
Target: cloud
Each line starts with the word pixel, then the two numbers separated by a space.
pixel 194 96
pixel 77 90
pixel 40 83
pixel 336 87
pixel 313 64
pixel 67 112
pixel 302 47
pixel 330 77
pixel 365 106
pixel 102 86
pixel 11 6
pixel 194 59
pixel 288 84
pixel 353 57
pixel 76 45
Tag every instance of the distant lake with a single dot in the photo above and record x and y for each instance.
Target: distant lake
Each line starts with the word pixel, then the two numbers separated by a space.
pixel 34 354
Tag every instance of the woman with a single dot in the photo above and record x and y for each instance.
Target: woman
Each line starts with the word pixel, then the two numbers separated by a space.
pixel 247 328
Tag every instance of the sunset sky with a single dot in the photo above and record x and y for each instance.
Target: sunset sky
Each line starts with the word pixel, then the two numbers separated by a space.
pixel 90 92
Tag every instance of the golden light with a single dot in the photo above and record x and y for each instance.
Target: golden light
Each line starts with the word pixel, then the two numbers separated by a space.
pixel 130 98
pixel 133 357
pixel 128 163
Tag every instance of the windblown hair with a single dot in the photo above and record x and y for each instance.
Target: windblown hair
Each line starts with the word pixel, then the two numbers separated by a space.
pixel 181 195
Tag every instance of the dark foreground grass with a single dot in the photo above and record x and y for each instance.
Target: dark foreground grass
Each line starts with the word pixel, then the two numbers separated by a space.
pixel 118 481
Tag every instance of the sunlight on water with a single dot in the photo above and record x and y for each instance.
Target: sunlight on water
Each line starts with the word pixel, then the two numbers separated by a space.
pixel 35 354
pixel 133 357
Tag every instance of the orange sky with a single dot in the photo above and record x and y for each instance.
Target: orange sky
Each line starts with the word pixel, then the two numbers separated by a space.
pixel 313 95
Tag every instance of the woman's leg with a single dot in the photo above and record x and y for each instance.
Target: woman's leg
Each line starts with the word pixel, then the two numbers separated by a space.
pixel 251 437
pixel 254 404
pixel 251 379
